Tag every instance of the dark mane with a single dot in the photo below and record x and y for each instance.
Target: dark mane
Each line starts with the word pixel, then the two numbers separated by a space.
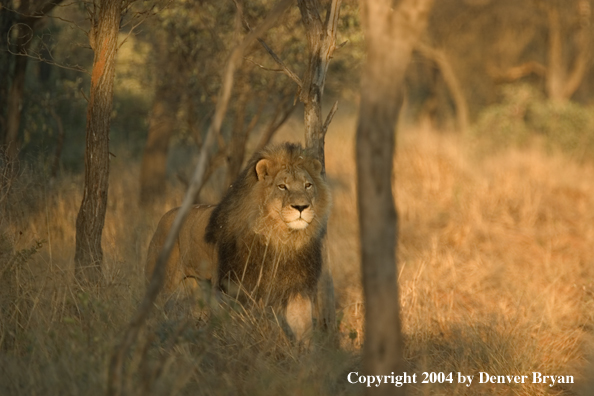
pixel 272 272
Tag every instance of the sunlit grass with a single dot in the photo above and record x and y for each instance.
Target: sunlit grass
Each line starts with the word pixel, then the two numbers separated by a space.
pixel 495 262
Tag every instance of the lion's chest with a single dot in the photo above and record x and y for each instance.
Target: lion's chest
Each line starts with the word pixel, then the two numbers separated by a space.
pixel 268 272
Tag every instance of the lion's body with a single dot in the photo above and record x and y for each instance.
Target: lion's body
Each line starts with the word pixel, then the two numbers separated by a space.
pixel 263 242
pixel 191 256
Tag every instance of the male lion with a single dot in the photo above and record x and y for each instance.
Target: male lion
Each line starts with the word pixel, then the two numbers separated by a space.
pixel 263 242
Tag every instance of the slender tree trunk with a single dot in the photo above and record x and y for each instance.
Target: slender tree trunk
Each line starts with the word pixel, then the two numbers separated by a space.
pixel 282 113
pixel 576 75
pixel 6 21
pixel 162 119
pixel 238 140
pixel 162 123
pixel 555 68
pixel 59 143
pixel 28 15
pixel 449 76
pixel 562 80
pixel 15 96
pixel 321 43
pixel 392 29
pixel 91 216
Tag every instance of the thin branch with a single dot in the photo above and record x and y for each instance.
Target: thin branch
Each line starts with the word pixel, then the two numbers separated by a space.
pixel 145 15
pixel 261 104
pixel 274 56
pixel 51 61
pixel 116 366
pixel 275 124
pixel 84 95
pixel 262 66
pixel 284 67
pixel 329 119
pixel 332 20
pixel 449 76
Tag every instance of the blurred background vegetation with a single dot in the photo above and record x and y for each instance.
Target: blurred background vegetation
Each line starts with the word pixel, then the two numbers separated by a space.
pixel 494 190
pixel 507 70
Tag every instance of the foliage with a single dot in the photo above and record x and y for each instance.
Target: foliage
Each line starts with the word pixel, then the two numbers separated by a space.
pixel 525 116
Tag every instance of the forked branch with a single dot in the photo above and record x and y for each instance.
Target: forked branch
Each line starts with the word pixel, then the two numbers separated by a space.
pixel 329 119
pixel 274 56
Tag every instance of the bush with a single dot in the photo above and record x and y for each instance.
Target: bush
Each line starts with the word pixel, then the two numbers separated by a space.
pixel 525 116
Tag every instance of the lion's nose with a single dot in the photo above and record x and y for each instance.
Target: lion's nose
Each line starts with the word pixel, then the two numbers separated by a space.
pixel 300 208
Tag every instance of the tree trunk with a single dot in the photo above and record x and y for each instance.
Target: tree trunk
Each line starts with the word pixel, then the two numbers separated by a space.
pixel 561 81
pixel 321 43
pixel 449 76
pixel 162 119
pixel 555 69
pixel 162 123
pixel 6 20
pixel 59 143
pixel 582 60
pixel 15 96
pixel 91 216
pixel 29 14
pixel 236 152
pixel 392 29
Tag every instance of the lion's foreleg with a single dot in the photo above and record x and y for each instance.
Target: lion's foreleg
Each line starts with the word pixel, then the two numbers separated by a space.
pixel 299 317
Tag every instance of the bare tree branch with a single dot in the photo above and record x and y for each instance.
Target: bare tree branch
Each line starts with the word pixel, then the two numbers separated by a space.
pixel 284 67
pixel 580 67
pixel 282 113
pixel 114 386
pixel 447 71
pixel 262 66
pixel 274 56
pixel 516 72
pixel 329 118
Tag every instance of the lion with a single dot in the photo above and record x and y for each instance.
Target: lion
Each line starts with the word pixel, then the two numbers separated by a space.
pixel 262 242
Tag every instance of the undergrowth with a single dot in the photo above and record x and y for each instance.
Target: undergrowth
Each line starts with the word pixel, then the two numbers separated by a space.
pixel 495 272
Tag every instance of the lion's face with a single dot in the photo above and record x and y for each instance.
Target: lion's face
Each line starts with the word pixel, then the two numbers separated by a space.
pixel 291 194
pixel 292 197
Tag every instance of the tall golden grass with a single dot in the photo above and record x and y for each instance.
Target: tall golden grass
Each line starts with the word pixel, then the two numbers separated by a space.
pixel 496 274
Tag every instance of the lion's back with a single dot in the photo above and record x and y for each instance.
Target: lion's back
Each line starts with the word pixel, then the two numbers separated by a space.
pixel 191 256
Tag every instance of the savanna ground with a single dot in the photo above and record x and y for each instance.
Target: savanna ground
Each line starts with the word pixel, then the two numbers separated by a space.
pixel 496 275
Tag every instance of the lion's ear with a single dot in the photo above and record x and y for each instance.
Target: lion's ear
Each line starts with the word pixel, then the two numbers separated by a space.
pixel 263 168
pixel 317 166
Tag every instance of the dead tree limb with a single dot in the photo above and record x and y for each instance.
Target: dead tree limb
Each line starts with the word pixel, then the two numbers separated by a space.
pixel 453 83
pixel 274 56
pixel 281 114
pixel 115 374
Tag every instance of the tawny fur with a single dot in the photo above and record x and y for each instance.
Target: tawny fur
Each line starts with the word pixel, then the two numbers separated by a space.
pixel 263 242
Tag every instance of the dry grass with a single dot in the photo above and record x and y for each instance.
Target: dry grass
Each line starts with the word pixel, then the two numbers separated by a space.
pixel 496 275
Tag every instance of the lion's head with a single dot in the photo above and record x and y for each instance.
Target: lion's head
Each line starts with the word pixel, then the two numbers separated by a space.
pixel 294 196
pixel 281 194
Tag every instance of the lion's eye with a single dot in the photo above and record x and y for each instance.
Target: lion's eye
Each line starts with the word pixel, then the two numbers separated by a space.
pixel 308 185
pixel 282 187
